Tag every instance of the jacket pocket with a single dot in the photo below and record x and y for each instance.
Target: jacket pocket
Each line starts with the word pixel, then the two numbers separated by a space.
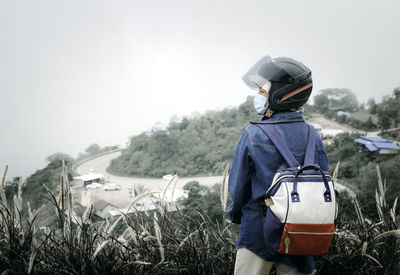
pixel 273 229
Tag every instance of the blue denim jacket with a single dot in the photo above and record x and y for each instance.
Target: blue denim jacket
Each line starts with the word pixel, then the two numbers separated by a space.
pixel 254 165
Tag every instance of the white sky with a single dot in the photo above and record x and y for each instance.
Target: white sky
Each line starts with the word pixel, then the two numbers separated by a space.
pixel 73 73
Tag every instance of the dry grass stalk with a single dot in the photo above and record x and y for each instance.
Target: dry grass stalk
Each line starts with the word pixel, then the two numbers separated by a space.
pixel 3 180
pixel 3 185
pixel 70 201
pixel 378 205
pixel 61 194
pixel 112 227
pixel 364 248
pixel 21 238
pixel 18 199
pixel 65 174
pixel 173 189
pixel 393 211
pixel 149 238
pixel 169 183
pixel 224 189
pixel 164 201
pixel 375 260
pixel 358 211
pixel 58 211
pixel 136 199
pixel 144 231
pixel 159 237
pixel 32 219
pixel 349 235
pixel 336 172
pixel 31 261
pixel 393 233
pixel 382 187
pixel 189 237
pixel 136 263
pixel 99 248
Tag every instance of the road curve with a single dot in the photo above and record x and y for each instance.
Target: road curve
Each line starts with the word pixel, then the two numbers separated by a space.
pixel 122 197
pixel 100 164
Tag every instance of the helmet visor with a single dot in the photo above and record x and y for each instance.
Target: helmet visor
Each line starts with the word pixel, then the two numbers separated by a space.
pixel 266 69
pixel 253 78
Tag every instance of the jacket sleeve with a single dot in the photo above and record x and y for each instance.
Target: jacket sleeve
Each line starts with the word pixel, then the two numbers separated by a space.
pixel 321 157
pixel 240 178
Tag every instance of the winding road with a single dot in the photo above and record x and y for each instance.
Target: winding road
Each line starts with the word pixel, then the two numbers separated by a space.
pixel 123 197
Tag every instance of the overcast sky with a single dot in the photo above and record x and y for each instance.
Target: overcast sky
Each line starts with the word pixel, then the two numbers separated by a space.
pixel 73 73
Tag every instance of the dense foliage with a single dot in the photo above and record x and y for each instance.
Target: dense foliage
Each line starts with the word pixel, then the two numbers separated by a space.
pixel 358 169
pixel 197 146
pixel 335 99
pixel 93 150
pixel 377 116
pixel 32 189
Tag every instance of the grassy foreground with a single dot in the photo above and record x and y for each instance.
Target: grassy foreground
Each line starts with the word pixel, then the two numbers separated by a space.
pixel 173 242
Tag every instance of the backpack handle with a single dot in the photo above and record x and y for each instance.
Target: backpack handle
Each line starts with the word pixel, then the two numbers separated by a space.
pixel 295 195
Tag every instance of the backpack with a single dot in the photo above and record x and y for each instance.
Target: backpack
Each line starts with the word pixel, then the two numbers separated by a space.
pixel 301 203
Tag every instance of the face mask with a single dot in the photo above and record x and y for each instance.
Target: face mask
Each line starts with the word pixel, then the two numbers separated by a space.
pixel 259 104
pixel 260 100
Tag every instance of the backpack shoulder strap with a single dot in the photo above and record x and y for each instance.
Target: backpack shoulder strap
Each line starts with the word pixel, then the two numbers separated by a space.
pixel 271 132
pixel 310 149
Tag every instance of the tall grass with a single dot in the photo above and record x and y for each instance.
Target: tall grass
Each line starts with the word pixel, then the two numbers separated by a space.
pixel 364 245
pixel 161 242
pixel 170 242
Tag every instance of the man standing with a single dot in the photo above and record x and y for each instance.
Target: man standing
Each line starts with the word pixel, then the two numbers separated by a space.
pixel 284 86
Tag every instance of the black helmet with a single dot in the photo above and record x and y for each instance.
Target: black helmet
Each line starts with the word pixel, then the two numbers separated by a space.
pixel 291 81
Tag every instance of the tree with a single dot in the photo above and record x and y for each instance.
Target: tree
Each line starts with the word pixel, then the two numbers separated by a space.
pixel 321 102
pixel 58 157
pixel 336 99
pixel 93 149
pixel 203 199
pixel 396 93
pixel 372 107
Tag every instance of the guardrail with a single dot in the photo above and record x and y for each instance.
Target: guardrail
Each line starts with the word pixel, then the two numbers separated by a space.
pixel 75 165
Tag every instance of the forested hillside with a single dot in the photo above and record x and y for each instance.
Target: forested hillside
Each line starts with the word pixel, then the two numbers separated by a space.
pixel 35 194
pixel 196 146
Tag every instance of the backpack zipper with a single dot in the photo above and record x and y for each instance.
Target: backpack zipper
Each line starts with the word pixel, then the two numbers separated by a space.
pixel 287 242
pixel 300 176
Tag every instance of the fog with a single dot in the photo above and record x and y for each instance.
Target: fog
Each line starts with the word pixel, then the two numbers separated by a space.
pixel 73 73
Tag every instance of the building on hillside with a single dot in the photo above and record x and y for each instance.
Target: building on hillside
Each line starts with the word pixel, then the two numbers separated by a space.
pixel 316 126
pixel 343 113
pixel 103 208
pixel 88 179
pixel 377 145
pixel 166 200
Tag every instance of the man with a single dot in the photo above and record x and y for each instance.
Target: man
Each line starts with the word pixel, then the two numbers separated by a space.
pixel 284 86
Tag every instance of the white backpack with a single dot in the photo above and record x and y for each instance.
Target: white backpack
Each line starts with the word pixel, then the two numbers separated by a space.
pixel 301 203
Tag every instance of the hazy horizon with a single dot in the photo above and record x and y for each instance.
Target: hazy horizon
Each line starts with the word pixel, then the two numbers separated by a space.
pixel 81 72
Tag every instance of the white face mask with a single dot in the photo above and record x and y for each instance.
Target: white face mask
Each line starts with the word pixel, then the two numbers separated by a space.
pixel 259 104
pixel 260 101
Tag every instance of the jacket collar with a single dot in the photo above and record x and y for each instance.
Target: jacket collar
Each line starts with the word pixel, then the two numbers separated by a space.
pixel 281 117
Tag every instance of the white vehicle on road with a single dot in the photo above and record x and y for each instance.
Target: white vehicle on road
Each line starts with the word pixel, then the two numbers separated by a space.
pixel 167 177
pixel 111 187
pixel 94 185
